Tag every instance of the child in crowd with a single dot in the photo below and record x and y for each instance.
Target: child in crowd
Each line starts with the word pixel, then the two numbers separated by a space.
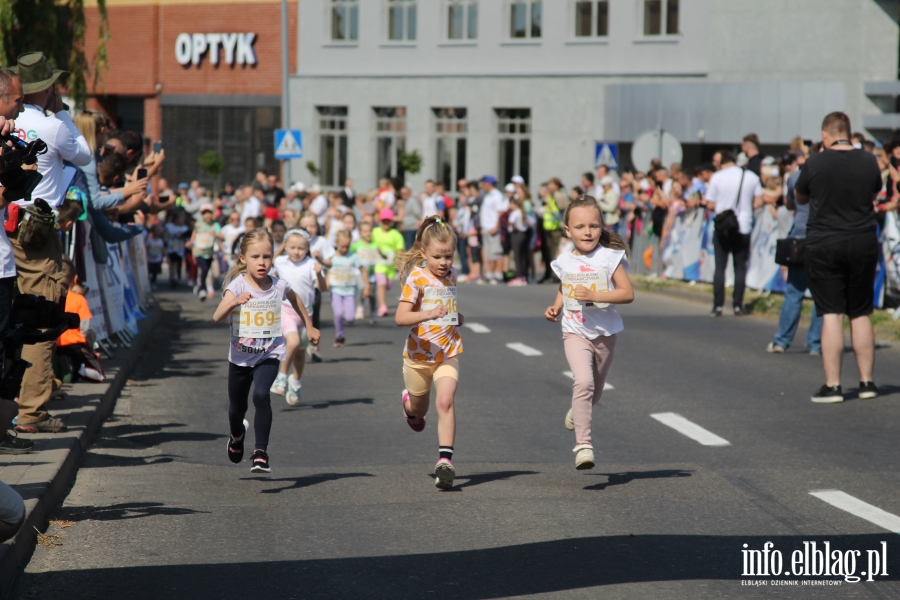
pixel 368 257
pixel 305 275
pixel 278 230
pixel 156 248
pixel 230 233
pixel 175 231
pixel 345 271
pixel 594 277
pixel 321 250
pixel 203 245
pixel 428 307
pixel 253 297
pixel 77 344
pixel 389 242
pixel 349 223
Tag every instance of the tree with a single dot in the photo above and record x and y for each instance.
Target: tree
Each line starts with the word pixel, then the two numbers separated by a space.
pixel 213 164
pixel 411 161
pixel 57 28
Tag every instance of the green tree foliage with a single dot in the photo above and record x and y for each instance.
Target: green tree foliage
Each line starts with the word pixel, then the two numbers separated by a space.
pixel 57 28
pixel 411 161
pixel 211 163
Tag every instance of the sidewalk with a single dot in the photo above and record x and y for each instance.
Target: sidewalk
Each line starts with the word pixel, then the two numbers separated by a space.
pixel 43 476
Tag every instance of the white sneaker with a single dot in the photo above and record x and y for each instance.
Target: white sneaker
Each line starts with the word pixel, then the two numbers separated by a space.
pixel 584 457
pixel 570 421
pixel 279 385
pixel 293 394
pixel 360 315
pixel 444 474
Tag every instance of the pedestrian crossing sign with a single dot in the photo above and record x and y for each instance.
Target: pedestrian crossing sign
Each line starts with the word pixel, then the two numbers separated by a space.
pixel 288 143
pixel 606 154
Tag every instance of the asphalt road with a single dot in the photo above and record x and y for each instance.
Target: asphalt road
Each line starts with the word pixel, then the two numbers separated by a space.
pixel 350 510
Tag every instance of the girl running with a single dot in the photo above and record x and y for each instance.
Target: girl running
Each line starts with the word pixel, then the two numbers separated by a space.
pixel 252 303
pixel 305 275
pixel 389 242
pixel 428 307
pixel 369 257
pixel 594 277
pixel 346 270
pixel 203 245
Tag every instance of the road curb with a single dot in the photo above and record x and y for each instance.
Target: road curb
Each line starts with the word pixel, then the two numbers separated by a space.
pixel 16 551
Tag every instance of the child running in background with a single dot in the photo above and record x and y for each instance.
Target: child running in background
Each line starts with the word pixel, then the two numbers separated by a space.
pixel 428 307
pixel 368 257
pixel 230 233
pixel 389 242
pixel 203 245
pixel 156 248
pixel 594 277
pixel 252 303
pixel 175 233
pixel 305 275
pixel 346 269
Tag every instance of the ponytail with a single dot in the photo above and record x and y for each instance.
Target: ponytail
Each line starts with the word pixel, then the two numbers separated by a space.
pixel 251 237
pixel 434 228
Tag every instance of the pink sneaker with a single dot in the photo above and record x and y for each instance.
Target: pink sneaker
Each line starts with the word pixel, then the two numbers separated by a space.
pixel 382 311
pixel 417 424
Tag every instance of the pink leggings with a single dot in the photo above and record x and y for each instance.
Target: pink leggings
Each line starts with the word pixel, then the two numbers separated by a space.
pixel 344 308
pixel 589 361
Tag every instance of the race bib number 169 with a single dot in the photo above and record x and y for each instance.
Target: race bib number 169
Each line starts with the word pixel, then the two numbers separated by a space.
pixel 257 319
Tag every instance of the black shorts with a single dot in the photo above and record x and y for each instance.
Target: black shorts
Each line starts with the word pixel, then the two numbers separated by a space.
pixel 154 268
pixel 841 275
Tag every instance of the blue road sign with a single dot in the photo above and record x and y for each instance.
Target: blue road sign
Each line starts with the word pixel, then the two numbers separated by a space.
pixel 606 154
pixel 288 143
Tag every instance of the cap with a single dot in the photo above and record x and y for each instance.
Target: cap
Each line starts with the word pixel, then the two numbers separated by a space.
pixel 489 179
pixel 316 189
pixel 509 188
pixel 182 185
pixel 298 187
pixel 606 180
pixel 769 160
pixel 206 207
pixel 386 214
pixel 518 179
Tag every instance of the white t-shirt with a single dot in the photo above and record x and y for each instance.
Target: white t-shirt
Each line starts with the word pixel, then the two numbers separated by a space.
pixel 252 208
pixel 593 321
pixel 723 190
pixel 64 142
pixel 318 207
pixel 320 244
pixel 7 259
pixel 516 222
pixel 491 207
pixel 229 234
pixel 430 205
pixel 301 276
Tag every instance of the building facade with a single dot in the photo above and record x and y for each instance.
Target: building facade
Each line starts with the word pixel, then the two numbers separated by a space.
pixel 529 87
pixel 198 75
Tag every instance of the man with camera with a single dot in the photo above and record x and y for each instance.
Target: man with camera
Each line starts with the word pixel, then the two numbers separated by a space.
pixel 39 264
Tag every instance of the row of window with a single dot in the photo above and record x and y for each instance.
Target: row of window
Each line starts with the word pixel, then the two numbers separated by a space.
pixel 592 19
pixel 450 126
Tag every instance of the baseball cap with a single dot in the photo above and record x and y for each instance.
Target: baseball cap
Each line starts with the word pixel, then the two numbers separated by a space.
pixel 298 187
pixel 206 207
pixel 509 188
pixel 518 179
pixel 182 185
pixel 386 214
pixel 489 179
pixel 606 180
pixel 316 189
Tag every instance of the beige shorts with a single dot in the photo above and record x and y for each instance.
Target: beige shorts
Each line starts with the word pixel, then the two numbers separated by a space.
pixel 417 375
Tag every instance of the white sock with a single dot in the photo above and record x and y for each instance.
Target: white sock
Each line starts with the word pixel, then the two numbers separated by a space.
pixel 293 381
pixel 282 376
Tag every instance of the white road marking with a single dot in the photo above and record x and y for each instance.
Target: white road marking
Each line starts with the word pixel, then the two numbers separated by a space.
pixel 477 327
pixel 606 386
pixel 523 349
pixel 690 429
pixel 861 509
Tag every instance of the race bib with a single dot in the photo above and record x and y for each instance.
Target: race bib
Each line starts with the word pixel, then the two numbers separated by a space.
pixel 437 295
pixel 368 256
pixel 257 319
pixel 595 281
pixel 204 240
pixel 342 276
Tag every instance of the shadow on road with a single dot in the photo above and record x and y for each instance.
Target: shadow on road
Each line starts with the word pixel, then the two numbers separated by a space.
pixel 623 478
pixel 302 482
pixel 328 404
pixel 479 478
pixel 128 510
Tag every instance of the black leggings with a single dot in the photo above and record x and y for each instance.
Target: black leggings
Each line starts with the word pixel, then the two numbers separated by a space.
pixel 203 265
pixel 174 267
pixel 261 376
pixel 317 309
pixel 519 242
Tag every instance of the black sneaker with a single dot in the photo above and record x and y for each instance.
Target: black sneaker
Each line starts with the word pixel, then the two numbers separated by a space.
pixel 867 390
pixel 739 311
pixel 828 394
pixel 236 448
pixel 12 444
pixel 260 461
pixel 716 312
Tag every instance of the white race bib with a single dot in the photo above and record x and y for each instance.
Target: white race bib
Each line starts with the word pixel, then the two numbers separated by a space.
pixel 595 281
pixel 343 276
pixel 204 240
pixel 437 295
pixel 257 319
pixel 368 256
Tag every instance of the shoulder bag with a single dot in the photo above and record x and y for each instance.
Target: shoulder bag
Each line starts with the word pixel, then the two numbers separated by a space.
pixel 791 251
pixel 726 221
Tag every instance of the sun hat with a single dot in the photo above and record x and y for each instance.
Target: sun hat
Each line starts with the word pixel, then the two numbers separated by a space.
pixel 386 214
pixel 35 71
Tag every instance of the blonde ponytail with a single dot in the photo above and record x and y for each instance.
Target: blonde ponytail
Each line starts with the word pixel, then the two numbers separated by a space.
pixel 435 229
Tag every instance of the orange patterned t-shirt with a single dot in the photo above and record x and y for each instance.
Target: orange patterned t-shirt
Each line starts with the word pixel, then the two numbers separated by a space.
pixel 429 342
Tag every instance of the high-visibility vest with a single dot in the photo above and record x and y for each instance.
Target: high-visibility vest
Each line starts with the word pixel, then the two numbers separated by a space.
pixel 551 214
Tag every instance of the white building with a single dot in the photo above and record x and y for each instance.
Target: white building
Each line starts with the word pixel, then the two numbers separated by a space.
pixel 511 87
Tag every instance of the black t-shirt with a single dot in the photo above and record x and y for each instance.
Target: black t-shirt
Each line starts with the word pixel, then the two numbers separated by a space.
pixel 841 186
pixel 755 164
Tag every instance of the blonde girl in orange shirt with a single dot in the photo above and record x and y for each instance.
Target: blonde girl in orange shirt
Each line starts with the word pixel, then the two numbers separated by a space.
pixel 428 307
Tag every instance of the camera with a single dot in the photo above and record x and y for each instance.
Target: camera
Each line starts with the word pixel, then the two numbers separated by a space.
pixel 33 319
pixel 19 183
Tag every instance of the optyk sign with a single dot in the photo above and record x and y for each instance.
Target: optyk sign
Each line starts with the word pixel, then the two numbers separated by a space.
pixel 237 48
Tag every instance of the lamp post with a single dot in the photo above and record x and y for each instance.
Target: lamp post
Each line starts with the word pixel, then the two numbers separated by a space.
pixel 285 94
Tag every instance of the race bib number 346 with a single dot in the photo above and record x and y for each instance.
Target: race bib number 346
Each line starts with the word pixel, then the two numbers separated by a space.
pixel 257 319
pixel 594 281
pixel 441 295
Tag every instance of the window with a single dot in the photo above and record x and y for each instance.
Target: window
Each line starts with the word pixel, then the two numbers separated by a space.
pixel 592 19
pixel 656 21
pixel 525 19
pixel 401 20
pixel 451 126
pixel 390 134
pixel 344 20
pixel 514 142
pixel 462 19
pixel 333 144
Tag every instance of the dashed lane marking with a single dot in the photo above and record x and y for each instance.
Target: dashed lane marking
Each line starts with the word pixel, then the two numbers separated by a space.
pixel 690 429
pixel 606 386
pixel 523 349
pixel 477 327
pixel 857 507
